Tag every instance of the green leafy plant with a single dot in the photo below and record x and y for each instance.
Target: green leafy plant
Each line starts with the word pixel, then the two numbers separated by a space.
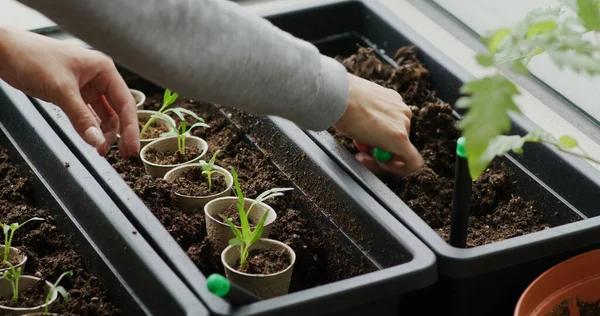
pixel 489 101
pixel 13 275
pixel 246 237
pixel 168 99
pixel 57 288
pixel 9 232
pixel 183 131
pixel 208 168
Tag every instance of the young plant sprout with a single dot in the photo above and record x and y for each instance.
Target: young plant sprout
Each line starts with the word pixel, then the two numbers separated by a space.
pixel 13 275
pixel 9 237
pixel 168 99
pixel 61 290
pixel 208 170
pixel 183 131
pixel 246 237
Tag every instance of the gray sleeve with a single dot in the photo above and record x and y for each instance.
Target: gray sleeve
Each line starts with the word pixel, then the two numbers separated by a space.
pixel 211 50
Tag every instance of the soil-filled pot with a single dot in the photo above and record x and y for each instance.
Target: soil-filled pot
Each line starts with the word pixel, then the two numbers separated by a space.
pixel 568 289
pixel 264 286
pixel 139 97
pixel 153 132
pixel 189 202
pixel 168 148
pixel 14 255
pixel 220 233
pixel 26 283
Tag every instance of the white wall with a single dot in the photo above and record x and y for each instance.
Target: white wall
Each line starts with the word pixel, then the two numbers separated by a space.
pixel 15 14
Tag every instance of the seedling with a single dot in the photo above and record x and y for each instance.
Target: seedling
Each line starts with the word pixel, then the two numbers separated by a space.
pixel 61 290
pixel 13 275
pixel 246 237
pixel 183 131
pixel 9 237
pixel 168 99
pixel 208 168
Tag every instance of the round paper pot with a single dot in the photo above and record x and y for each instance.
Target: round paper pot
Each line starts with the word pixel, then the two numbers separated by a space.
pixel 25 282
pixel 139 97
pixel 188 202
pixel 220 233
pixel 264 286
pixel 169 144
pixel 14 255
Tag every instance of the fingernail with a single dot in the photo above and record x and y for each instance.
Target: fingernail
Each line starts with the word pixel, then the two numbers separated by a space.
pixel 94 136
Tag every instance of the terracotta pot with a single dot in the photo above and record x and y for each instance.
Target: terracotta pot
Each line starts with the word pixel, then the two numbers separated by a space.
pixel 25 282
pixel 169 144
pixel 578 277
pixel 139 97
pixel 220 233
pixel 188 202
pixel 264 286
pixel 14 254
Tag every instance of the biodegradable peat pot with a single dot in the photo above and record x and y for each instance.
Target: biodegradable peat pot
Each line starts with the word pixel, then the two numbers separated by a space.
pixel 169 144
pixel 146 115
pixel 264 286
pixel 188 202
pixel 139 97
pixel 15 254
pixel 25 282
pixel 561 287
pixel 220 233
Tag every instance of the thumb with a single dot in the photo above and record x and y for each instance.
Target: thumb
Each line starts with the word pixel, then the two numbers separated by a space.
pixel 81 116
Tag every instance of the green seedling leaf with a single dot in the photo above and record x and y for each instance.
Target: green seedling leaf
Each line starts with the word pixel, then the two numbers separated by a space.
pixel 485 60
pixel 181 111
pixel 496 39
pixel 519 67
pixel 259 229
pixel 501 145
pixel 169 98
pixel 568 142
pixel 589 13
pixel 61 290
pixel 56 287
pixel 575 60
pixel 489 102
pixel 234 229
pixel 236 242
pixel 543 27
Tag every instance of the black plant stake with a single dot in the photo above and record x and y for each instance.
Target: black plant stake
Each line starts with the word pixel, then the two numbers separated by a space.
pixel 461 202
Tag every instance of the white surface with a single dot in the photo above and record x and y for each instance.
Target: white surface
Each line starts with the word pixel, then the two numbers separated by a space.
pixel 486 15
pixel 20 16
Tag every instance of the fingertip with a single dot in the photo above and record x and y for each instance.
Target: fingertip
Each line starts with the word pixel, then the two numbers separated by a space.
pixel 369 162
pixel 362 147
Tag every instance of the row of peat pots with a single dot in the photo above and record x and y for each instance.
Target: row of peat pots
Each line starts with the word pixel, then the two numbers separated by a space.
pixel 335 238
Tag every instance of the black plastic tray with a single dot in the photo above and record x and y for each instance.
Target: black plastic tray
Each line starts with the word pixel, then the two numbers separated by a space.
pixel 403 262
pixel 138 280
pixel 485 280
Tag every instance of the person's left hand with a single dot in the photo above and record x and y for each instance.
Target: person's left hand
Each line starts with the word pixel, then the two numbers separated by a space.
pixel 84 83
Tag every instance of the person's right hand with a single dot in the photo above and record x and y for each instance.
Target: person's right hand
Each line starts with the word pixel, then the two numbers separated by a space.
pixel 83 82
pixel 377 117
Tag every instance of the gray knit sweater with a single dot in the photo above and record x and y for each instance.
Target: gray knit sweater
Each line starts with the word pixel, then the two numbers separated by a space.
pixel 211 50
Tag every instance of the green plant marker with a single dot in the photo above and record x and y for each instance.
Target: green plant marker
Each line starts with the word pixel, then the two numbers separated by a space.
pixel 382 155
pixel 235 295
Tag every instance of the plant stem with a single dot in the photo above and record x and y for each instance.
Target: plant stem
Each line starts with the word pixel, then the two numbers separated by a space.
pixel 208 175
pixel 151 120
pixel 6 247
pixel 15 290
pixel 572 153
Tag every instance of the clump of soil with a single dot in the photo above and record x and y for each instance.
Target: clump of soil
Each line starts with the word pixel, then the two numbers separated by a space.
pixel 32 297
pixel 233 215
pixel 496 212
pixel 153 131
pixel 49 252
pixel 265 261
pixel 170 158
pixel 193 183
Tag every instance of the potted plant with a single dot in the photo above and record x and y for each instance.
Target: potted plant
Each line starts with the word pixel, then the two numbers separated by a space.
pixel 12 255
pixel 139 98
pixel 176 148
pixel 196 184
pixel 52 293
pixel 222 212
pixel 260 265
pixel 36 294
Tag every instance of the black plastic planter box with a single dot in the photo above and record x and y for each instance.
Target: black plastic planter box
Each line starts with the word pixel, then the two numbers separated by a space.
pixel 485 280
pixel 365 230
pixel 138 280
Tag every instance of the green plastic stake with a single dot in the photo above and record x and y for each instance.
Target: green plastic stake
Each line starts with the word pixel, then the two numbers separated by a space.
pixel 234 294
pixel 460 148
pixel 382 155
pixel 218 284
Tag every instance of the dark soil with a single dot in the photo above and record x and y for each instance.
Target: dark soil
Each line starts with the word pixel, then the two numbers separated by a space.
pixel 234 216
pixel 49 252
pixel 193 183
pixel 169 158
pixel 583 307
pixel 12 261
pixel 295 226
pixel 32 297
pixel 587 308
pixel 265 261
pixel 497 213
pixel 153 131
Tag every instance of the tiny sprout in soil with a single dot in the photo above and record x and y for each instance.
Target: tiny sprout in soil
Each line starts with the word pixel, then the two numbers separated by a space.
pixel 13 275
pixel 246 237
pixel 168 99
pixel 183 131
pixel 9 237
pixel 61 290
pixel 208 170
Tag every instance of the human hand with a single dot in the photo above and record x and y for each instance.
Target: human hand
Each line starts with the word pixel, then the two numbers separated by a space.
pixel 84 83
pixel 377 116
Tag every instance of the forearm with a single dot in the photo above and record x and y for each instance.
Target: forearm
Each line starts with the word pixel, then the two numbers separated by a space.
pixel 211 50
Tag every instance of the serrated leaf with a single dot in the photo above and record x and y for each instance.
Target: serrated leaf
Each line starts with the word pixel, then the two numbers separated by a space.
pixel 485 60
pixel 499 146
pixel 589 13
pixel 496 39
pixel 568 142
pixel 542 27
pixel 576 61
pixel 490 100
